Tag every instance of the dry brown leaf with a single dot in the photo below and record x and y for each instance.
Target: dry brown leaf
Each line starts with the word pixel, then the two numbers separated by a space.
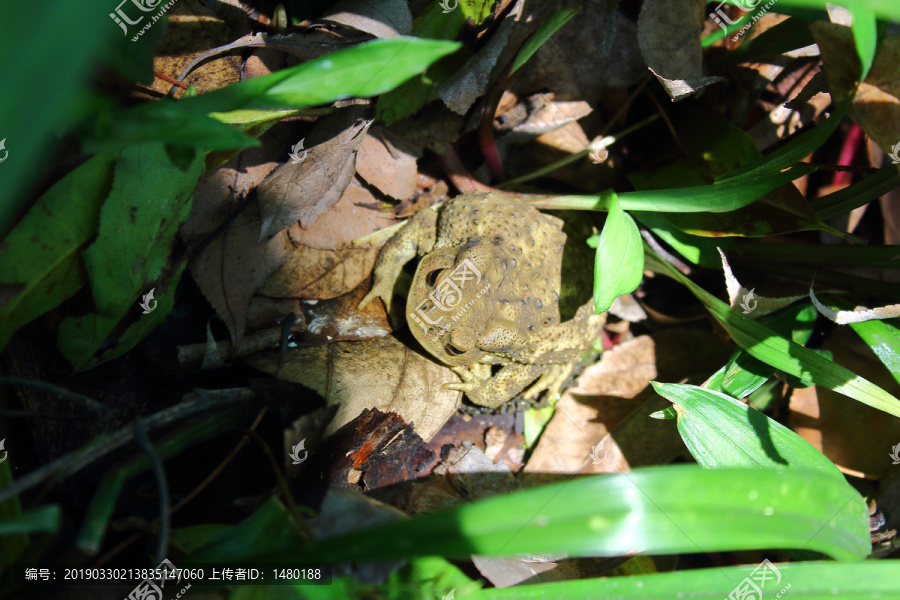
pixel 669 37
pixel 876 106
pixel 593 52
pixel 381 373
pixel 388 162
pixel 382 19
pixel 464 87
pixel 346 221
pixel 233 266
pixel 340 319
pixel 854 436
pixel 312 274
pixel 303 191
pixel 193 29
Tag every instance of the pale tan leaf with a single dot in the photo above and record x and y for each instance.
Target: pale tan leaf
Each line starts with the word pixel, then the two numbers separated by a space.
pixel 669 37
pixel 346 221
pixel 859 315
pixel 381 373
pixel 388 162
pixel 382 19
pixel 313 274
pixel 303 191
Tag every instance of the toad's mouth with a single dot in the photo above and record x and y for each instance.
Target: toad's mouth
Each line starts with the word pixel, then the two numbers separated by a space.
pixel 439 301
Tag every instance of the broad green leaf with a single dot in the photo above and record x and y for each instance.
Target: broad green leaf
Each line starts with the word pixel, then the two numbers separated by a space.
pixel 40 259
pixel 133 252
pixel 543 33
pixel 36 105
pixel 764 344
pixel 361 71
pixel 823 580
pixel 657 510
pixel 723 432
pixel 43 519
pixel 865 35
pixel 619 263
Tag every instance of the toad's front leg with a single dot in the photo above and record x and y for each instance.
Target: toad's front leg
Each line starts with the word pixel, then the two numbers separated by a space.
pixel 491 391
pixel 417 237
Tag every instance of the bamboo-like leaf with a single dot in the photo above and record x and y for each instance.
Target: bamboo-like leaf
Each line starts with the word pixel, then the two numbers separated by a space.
pixel 764 344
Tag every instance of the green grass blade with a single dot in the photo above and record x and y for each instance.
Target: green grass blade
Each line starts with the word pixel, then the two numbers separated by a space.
pixel 723 432
pixel 884 9
pixel 700 198
pixel 884 340
pixel 858 194
pixel 865 35
pixel 658 510
pixel 619 262
pixel 43 519
pixel 764 344
pixel 789 154
pixel 543 33
pixel 803 580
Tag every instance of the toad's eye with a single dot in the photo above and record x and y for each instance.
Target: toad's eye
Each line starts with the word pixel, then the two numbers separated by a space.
pixel 451 349
pixel 431 278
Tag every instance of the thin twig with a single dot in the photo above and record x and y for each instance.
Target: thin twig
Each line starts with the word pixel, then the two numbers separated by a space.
pixel 88 403
pixel 71 463
pixel 140 436
pixel 671 127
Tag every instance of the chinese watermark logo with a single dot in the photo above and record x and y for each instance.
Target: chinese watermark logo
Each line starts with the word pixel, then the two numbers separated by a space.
pixel 446 6
pixel 296 157
pixel 894 153
pixel 6 152
pixel 751 588
pixel 152 587
pixel 3 448
pixel 895 455
pixel 146 305
pixel 748 302
pixel 599 452
pixel 447 296
pixel 720 17
pixel 295 452
pixel 145 6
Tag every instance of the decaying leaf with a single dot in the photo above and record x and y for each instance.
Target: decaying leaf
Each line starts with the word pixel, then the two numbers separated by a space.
pixel 303 191
pixel 876 105
pixel 381 373
pixel 312 274
pixel 669 37
pixel 234 264
pixel 469 83
pixel 351 218
pixel 388 162
pixel 752 305
pixel 859 315
pixel 382 19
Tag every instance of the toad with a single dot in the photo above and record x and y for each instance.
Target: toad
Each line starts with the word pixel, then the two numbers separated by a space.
pixel 485 297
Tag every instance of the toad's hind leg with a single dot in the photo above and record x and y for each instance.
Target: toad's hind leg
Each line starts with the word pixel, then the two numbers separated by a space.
pixel 491 391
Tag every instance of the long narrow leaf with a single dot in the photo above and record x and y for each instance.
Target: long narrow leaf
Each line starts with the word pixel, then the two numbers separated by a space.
pixel 761 342
pixel 658 510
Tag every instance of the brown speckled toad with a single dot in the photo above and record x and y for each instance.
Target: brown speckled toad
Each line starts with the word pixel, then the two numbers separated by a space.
pixel 486 293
